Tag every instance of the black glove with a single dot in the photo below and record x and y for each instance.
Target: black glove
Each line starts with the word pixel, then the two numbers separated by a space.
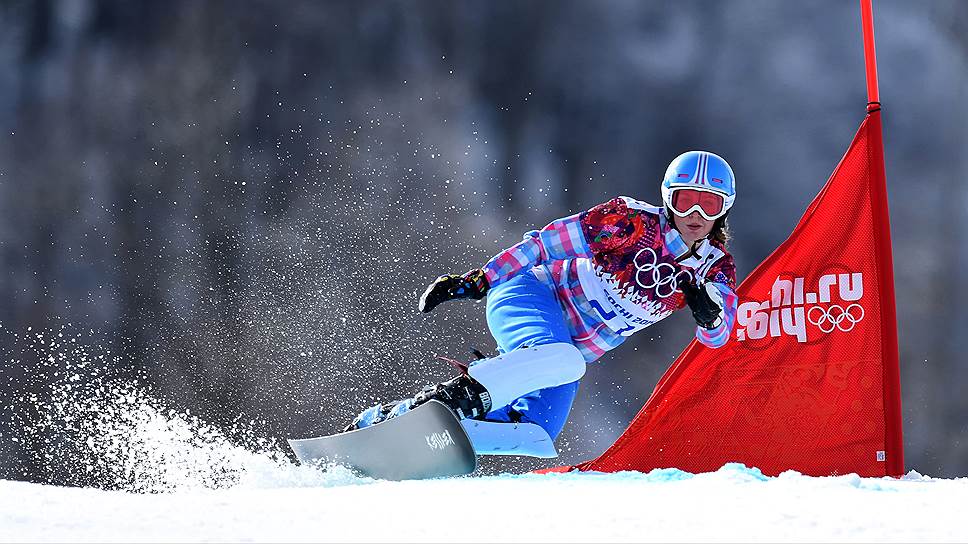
pixel 450 286
pixel 704 309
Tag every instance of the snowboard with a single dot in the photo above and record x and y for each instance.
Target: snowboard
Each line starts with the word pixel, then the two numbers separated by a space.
pixel 426 442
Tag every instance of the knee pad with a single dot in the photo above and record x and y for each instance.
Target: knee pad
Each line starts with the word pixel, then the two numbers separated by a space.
pixel 498 438
pixel 519 372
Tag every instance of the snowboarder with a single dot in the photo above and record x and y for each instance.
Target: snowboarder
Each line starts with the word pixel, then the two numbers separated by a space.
pixel 579 287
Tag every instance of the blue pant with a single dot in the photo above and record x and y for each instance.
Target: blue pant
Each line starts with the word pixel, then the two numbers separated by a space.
pixel 524 311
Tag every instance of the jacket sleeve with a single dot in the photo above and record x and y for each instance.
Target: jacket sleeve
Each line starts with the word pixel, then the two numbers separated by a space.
pixel 722 277
pixel 601 229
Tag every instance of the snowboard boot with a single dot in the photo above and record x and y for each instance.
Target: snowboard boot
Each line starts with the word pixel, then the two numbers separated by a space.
pixel 379 413
pixel 463 395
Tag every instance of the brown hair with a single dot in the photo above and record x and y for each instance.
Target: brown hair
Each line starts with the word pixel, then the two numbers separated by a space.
pixel 720 231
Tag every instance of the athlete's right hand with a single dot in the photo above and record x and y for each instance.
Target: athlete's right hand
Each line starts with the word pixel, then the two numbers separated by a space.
pixel 451 286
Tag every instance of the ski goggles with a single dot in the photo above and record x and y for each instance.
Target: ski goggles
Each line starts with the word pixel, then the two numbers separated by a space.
pixel 709 204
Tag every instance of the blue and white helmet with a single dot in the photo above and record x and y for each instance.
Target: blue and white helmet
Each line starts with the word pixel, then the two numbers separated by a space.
pixel 700 170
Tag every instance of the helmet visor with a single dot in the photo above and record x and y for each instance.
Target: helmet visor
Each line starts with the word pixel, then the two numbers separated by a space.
pixel 709 204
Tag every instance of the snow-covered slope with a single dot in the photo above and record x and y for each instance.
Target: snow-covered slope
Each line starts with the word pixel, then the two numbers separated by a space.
pixel 182 479
pixel 296 504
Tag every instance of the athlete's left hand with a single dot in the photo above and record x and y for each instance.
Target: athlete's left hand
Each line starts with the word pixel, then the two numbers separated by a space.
pixel 706 303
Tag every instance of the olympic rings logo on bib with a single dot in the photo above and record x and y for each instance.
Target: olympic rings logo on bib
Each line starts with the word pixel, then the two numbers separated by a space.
pixel 663 278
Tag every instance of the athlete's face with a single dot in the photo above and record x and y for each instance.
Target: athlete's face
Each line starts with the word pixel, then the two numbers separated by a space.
pixel 693 227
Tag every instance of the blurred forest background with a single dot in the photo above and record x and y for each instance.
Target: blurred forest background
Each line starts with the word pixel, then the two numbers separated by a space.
pixel 238 203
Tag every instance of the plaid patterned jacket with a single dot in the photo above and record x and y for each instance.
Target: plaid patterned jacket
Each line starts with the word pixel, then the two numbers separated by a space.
pixel 615 269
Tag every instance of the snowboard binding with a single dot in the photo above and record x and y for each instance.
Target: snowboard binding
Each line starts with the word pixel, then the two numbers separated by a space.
pixel 467 398
pixel 464 395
